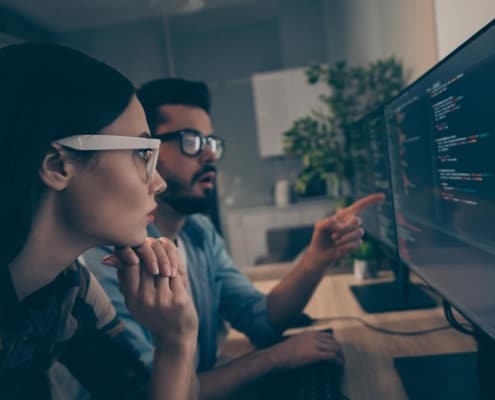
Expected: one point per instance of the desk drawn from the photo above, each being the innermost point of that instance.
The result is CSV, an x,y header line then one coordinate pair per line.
x,y
370,372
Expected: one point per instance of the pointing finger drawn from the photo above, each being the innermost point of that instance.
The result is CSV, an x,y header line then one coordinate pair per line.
x,y
362,204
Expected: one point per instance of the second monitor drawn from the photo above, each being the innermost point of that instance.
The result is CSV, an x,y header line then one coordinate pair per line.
x,y
371,167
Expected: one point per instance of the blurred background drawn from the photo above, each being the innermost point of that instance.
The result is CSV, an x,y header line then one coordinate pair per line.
x,y
253,54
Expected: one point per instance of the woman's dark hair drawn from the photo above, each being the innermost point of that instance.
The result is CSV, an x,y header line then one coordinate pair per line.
x,y
47,92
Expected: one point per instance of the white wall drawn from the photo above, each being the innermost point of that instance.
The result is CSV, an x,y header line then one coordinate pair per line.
x,y
361,31
457,20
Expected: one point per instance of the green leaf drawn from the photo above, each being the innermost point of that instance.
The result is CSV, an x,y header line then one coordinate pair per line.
x,y
322,137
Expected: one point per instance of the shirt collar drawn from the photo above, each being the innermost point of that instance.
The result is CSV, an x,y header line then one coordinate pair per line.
x,y
190,228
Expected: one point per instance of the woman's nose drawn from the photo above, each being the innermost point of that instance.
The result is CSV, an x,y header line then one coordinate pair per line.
x,y
158,184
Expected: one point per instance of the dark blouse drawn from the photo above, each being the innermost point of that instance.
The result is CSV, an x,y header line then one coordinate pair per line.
x,y
70,320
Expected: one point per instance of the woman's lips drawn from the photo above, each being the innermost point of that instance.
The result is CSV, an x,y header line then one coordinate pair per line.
x,y
151,215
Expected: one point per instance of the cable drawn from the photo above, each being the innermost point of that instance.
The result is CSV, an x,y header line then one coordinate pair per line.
x,y
426,287
380,329
449,315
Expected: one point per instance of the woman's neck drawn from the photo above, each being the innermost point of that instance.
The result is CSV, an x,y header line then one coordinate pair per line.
x,y
48,250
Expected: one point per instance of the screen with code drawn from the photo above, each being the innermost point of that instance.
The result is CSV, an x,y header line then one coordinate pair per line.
x,y
441,134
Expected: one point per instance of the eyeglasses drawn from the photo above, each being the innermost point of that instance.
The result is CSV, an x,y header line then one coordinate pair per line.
x,y
193,142
150,147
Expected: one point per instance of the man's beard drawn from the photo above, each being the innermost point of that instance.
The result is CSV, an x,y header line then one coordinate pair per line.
x,y
187,204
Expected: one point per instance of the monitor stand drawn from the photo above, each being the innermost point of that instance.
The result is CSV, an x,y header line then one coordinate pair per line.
x,y
439,377
398,295
461,376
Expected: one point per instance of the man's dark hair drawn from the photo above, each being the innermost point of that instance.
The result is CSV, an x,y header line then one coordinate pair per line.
x,y
170,91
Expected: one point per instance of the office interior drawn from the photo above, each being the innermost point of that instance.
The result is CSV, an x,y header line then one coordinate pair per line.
x,y
248,52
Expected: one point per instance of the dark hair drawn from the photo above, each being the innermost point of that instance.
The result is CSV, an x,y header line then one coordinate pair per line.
x,y
48,92
172,91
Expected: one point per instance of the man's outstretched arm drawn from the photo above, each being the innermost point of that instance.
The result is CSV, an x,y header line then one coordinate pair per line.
x,y
333,238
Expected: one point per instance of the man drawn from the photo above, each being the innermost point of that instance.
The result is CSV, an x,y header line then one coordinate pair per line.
x,y
178,114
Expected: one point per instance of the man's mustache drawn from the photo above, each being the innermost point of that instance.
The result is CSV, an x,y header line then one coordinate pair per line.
x,y
202,171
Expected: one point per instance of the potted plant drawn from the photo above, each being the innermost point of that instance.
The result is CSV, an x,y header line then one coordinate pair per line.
x,y
365,261
322,138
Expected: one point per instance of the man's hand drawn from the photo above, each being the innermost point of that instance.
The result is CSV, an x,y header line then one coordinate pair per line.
x,y
307,348
340,234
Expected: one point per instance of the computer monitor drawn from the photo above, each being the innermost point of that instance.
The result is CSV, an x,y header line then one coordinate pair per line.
x,y
369,155
371,173
441,132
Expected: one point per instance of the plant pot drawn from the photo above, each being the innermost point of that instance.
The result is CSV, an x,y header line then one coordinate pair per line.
x,y
345,188
332,185
364,269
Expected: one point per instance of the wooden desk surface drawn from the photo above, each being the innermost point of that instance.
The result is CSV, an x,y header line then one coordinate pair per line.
x,y
370,373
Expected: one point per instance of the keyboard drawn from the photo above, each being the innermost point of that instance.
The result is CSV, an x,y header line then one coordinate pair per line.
x,y
319,381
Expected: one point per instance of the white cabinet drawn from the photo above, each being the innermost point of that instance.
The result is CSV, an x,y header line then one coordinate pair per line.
x,y
280,98
247,227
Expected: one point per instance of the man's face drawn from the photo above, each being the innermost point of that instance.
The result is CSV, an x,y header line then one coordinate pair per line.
x,y
190,180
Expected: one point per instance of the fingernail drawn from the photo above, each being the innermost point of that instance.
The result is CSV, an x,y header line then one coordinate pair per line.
x,y
109,260
154,268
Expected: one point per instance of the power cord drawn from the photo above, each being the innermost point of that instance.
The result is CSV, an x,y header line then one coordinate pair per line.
x,y
449,315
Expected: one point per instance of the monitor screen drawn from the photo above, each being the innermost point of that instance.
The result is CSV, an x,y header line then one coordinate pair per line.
x,y
441,132
369,155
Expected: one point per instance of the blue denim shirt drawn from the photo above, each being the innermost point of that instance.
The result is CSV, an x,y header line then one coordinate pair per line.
x,y
218,289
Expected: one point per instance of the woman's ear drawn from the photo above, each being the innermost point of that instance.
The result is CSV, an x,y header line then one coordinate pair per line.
x,y
55,170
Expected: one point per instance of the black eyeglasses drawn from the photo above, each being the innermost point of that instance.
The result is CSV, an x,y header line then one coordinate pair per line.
x,y
192,142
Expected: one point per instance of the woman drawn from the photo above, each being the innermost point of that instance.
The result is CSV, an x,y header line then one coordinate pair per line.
x,y
78,171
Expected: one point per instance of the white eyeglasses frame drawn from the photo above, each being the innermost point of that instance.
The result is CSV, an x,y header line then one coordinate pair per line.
x,y
115,142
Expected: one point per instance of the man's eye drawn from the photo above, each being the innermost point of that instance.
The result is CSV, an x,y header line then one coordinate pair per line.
x,y
189,142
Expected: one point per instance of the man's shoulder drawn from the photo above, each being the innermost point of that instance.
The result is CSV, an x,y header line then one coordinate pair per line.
x,y
199,228
95,254
92,260
200,221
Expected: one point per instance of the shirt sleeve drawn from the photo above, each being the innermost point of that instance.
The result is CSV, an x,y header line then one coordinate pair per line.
x,y
99,355
139,337
241,304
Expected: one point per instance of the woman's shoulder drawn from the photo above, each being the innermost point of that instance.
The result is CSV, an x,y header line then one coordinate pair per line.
x,y
93,304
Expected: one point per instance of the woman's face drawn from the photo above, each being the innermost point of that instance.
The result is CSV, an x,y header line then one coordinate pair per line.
x,y
110,199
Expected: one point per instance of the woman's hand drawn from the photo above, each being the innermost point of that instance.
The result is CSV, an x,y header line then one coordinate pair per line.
x,y
155,292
